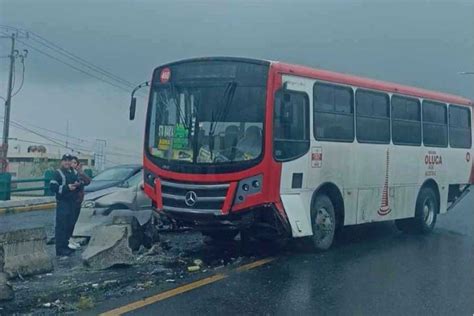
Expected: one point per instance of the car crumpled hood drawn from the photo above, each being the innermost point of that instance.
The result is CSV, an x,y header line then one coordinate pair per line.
x,y
100,185
125,196
93,196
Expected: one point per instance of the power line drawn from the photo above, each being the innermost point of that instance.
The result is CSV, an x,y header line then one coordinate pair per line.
x,y
81,140
73,67
47,43
76,145
80,60
34,142
84,63
19,126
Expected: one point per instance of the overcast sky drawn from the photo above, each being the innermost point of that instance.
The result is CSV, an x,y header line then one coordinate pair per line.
x,y
415,42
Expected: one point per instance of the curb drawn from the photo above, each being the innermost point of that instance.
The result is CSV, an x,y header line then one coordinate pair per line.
x,y
29,208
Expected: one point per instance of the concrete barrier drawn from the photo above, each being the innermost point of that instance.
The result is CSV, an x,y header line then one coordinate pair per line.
x,y
25,252
6,290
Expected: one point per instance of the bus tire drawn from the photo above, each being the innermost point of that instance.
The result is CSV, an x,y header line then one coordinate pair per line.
x,y
426,212
323,221
427,208
221,235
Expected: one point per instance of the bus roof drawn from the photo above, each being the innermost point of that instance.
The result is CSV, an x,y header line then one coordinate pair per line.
x,y
368,83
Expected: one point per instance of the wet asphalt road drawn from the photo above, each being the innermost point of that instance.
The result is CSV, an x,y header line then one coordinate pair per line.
x,y
373,269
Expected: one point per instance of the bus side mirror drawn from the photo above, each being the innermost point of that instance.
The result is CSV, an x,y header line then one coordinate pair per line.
x,y
133,107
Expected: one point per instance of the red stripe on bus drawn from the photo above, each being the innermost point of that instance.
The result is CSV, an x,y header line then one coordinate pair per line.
x,y
362,82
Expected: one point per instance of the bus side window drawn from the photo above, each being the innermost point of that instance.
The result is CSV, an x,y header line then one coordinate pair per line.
x,y
291,125
406,121
372,117
333,113
435,124
460,127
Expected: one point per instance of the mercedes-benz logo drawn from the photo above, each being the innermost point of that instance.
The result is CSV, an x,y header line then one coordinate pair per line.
x,y
190,198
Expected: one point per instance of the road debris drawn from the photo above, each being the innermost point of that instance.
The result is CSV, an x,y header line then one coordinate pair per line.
x,y
108,247
193,268
84,303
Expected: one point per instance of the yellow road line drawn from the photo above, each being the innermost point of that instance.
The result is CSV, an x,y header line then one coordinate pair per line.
x,y
29,208
182,289
162,296
254,264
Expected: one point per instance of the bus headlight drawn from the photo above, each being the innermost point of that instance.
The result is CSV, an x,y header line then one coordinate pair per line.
x,y
247,187
149,178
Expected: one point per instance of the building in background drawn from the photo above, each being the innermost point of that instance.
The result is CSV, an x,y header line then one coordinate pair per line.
x,y
36,160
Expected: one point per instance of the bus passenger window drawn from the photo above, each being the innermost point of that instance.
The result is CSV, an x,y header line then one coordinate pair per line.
x,y
435,124
291,125
373,117
333,113
406,121
460,127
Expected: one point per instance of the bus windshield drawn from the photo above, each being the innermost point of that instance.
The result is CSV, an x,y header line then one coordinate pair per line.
x,y
206,122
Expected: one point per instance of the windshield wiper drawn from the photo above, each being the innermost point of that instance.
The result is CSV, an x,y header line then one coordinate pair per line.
x,y
226,101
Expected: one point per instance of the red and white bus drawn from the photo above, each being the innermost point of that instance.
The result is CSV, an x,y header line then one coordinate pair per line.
x,y
272,149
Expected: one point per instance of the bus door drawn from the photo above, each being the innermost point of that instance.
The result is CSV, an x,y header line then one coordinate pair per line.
x,y
291,132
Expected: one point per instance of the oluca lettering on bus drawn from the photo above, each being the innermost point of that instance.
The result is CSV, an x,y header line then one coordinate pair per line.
x,y
433,159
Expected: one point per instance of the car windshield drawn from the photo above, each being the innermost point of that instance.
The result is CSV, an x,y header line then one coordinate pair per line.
x,y
114,174
213,123
135,180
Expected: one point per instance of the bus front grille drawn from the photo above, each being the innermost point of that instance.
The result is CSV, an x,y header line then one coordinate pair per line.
x,y
192,197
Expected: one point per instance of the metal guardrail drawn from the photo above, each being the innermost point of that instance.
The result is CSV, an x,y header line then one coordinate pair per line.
x,y
9,185
30,180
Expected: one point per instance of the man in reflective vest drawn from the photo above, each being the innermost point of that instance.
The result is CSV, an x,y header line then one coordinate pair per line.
x,y
65,184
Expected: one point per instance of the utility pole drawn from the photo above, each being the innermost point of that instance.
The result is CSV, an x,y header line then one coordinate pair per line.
x,y
99,155
67,134
6,123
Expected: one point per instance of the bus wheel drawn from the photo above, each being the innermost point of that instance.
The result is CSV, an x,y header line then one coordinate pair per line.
x,y
426,211
221,235
425,214
323,220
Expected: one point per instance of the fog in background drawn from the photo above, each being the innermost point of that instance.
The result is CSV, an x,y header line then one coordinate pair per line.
x,y
416,42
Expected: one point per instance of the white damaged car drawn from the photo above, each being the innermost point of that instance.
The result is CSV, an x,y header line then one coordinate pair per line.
x,y
100,207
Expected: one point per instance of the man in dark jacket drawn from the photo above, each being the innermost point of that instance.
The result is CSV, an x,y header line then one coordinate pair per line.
x,y
65,184
83,180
